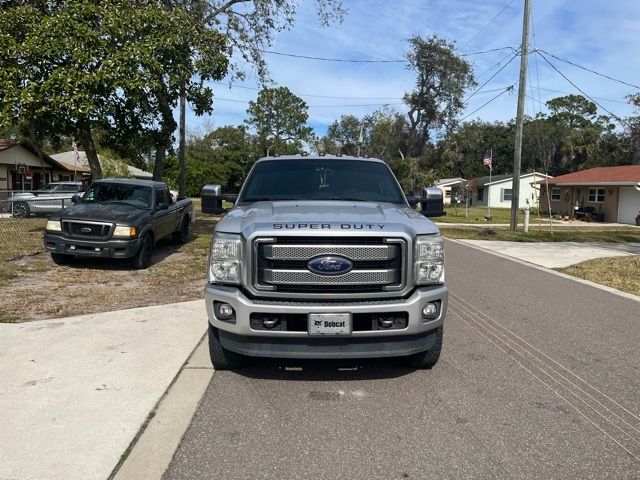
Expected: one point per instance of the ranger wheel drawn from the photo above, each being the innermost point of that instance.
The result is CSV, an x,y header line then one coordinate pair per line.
x,y
181,236
428,358
61,258
142,259
21,210
221,358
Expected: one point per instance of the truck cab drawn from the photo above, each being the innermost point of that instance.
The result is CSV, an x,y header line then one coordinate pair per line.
x,y
322,257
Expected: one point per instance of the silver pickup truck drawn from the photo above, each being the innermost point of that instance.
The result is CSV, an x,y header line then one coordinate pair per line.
x,y
48,199
322,257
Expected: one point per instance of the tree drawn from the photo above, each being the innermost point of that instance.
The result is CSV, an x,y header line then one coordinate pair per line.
x,y
441,80
279,118
117,70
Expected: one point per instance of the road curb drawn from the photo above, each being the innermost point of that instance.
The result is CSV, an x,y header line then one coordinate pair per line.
x,y
151,451
615,291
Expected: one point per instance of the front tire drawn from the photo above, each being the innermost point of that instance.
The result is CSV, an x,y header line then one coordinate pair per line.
x,y
61,258
21,210
221,358
142,259
428,358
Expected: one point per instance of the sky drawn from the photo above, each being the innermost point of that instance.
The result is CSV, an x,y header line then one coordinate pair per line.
x,y
601,35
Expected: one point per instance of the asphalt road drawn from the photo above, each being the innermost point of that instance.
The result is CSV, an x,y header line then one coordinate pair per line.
x,y
539,379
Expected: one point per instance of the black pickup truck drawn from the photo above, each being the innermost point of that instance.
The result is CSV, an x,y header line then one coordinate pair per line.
x,y
118,218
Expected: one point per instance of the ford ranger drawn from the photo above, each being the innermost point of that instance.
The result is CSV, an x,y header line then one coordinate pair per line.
x,y
118,218
322,257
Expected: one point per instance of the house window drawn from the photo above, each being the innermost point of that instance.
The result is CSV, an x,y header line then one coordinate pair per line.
x,y
596,195
480,194
447,193
64,178
555,194
506,194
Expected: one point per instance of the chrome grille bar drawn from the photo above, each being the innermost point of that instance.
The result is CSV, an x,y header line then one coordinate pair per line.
x,y
353,252
354,277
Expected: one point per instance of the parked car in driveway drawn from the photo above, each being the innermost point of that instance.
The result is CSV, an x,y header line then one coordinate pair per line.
x,y
118,218
48,199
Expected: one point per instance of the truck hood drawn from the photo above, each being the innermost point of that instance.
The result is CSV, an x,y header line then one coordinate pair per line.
x,y
325,218
112,213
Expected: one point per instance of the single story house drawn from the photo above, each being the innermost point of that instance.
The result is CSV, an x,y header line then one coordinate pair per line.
x,y
451,189
23,168
69,159
498,192
612,191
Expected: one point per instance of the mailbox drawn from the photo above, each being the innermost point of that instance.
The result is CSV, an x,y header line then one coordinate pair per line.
x,y
212,199
432,202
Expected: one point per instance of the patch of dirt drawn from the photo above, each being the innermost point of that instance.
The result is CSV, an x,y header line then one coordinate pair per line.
x,y
35,288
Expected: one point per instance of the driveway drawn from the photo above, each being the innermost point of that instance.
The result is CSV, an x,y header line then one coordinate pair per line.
x,y
539,379
557,254
75,391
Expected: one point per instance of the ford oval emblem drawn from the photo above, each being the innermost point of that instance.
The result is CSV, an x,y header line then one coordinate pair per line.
x,y
330,265
85,230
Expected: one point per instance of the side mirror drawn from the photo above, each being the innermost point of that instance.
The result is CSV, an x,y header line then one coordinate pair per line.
x,y
432,202
75,199
412,200
162,206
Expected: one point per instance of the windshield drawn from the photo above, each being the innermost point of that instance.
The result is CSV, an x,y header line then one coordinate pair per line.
x,y
135,195
322,179
50,187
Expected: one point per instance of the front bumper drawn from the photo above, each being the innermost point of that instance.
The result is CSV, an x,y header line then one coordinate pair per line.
x,y
91,248
419,334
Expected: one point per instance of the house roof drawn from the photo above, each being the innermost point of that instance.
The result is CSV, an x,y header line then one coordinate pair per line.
x,y
448,181
7,143
82,164
622,175
482,181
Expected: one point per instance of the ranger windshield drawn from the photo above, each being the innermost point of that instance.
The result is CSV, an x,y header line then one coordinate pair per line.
x,y
322,179
135,195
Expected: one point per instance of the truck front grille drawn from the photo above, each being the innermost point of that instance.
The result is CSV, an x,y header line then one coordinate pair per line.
x,y
86,230
281,265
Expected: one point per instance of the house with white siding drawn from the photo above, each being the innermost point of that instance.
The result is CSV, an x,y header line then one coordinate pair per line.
x,y
499,191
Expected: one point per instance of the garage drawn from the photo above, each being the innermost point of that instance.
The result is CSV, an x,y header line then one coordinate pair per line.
x,y
629,205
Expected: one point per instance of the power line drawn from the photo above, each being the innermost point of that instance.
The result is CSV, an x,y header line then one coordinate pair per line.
x,y
233,85
318,106
362,60
490,78
587,69
578,88
508,89
488,23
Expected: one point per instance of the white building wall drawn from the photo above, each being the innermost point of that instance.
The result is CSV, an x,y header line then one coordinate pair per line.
x,y
494,193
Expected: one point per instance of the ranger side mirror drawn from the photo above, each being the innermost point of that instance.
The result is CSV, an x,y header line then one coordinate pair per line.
x,y
75,199
432,202
162,206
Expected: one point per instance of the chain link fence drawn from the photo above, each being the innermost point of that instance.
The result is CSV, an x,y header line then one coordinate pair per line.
x,y
23,219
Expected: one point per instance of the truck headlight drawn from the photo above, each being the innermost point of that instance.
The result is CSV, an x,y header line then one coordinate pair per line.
x,y
225,258
54,226
429,255
125,231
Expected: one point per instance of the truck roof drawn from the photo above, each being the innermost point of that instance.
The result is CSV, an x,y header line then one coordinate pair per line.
x,y
320,157
131,181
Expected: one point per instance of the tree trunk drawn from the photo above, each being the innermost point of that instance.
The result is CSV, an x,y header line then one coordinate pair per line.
x,y
163,138
86,138
181,147
161,155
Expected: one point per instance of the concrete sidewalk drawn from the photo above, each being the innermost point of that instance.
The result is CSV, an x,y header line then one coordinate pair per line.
x,y
556,254
75,391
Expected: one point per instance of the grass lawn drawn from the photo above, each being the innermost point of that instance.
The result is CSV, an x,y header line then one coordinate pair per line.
x,y
622,273
542,234
476,215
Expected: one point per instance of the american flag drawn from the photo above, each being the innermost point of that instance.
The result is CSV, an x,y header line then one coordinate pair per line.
x,y
75,150
486,161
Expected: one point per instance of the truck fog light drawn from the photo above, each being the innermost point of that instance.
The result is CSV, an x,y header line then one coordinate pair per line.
x,y
430,310
224,311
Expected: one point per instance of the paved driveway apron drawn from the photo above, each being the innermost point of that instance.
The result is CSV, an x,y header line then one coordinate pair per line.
x,y
539,379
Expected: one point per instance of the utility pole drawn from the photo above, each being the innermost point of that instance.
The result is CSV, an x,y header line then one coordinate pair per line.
x,y
522,90
181,146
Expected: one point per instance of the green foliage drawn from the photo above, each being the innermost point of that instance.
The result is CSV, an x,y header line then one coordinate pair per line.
x,y
279,118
